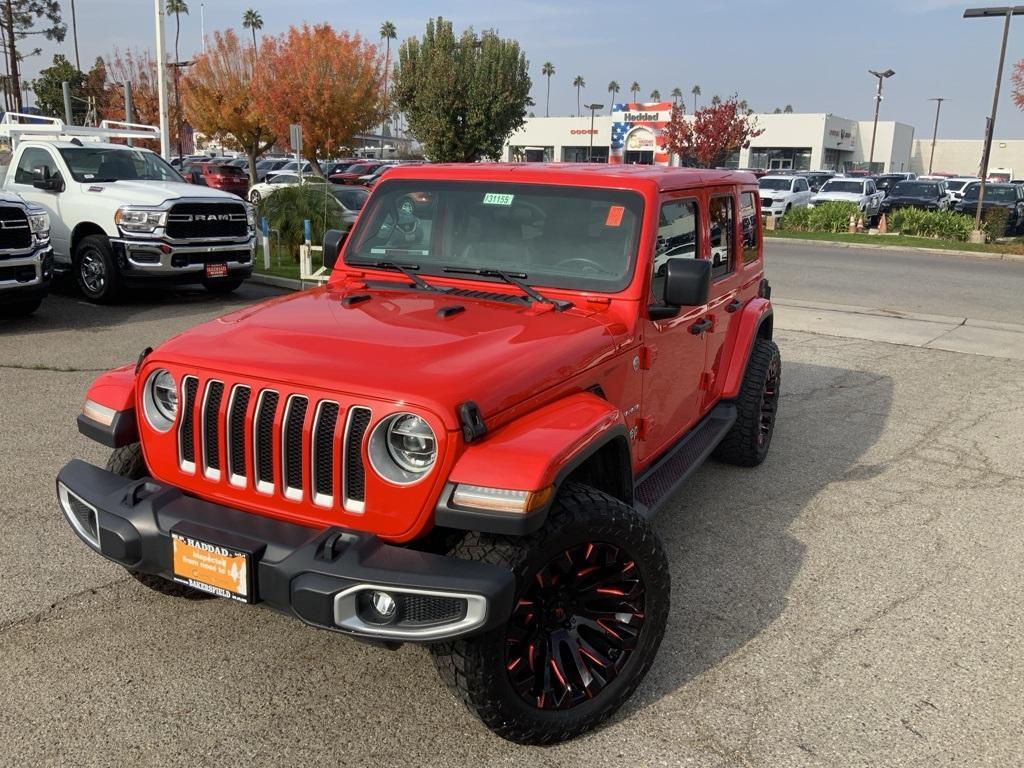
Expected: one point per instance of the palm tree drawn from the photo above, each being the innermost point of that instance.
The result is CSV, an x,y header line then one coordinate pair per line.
x,y
547,71
177,7
676,95
716,100
388,32
579,83
655,95
251,19
613,89
788,109
634,89
696,92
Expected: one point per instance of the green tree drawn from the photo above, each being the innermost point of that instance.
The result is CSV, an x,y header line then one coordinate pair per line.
x,y
677,95
578,83
613,89
634,89
696,92
788,109
462,97
252,21
19,19
547,71
388,32
655,95
49,89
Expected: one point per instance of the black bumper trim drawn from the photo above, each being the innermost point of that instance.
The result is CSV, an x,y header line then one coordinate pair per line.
x,y
297,570
122,430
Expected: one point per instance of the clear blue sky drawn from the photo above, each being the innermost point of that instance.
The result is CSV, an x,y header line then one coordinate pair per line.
x,y
813,54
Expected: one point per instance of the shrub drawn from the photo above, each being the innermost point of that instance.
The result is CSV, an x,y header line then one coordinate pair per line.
x,y
945,225
287,208
796,219
827,217
993,222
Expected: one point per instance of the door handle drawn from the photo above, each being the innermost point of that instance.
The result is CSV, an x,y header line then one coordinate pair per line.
x,y
734,306
700,326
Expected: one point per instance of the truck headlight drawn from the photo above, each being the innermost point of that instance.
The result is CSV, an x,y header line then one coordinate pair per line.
x,y
402,448
160,400
137,220
250,215
39,223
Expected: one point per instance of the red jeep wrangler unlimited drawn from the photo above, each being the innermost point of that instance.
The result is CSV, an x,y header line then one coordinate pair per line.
x,y
461,438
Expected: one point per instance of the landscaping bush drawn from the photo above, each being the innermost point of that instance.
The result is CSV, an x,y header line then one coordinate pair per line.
x,y
827,217
287,208
993,222
945,225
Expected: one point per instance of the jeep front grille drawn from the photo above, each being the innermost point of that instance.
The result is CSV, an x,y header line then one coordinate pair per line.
x,y
199,221
14,232
293,446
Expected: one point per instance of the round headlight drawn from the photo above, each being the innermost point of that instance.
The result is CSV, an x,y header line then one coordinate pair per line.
x,y
411,444
160,400
402,448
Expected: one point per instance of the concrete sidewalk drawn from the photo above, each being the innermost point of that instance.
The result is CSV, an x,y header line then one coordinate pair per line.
x,y
954,334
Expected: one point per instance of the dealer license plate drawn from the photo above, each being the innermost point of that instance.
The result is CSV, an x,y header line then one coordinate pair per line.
x,y
212,568
216,270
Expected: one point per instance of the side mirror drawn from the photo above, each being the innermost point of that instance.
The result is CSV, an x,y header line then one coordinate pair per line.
x,y
687,282
333,240
41,179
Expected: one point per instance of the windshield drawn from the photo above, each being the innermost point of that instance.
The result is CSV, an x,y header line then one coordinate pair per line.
x,y
775,184
92,164
916,189
856,187
351,198
955,185
360,169
562,237
998,194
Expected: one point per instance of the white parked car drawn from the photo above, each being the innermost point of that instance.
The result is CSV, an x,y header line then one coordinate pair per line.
x,y
955,188
780,194
850,190
276,181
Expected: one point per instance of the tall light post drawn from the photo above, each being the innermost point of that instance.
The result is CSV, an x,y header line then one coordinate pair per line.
x,y
161,80
878,102
935,131
973,13
593,109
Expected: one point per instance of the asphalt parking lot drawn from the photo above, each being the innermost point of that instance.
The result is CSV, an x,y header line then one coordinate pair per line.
x,y
854,601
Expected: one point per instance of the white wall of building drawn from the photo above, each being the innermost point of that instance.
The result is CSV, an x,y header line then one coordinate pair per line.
x,y
963,156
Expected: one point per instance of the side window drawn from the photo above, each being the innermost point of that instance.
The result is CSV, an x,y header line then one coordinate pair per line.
x,y
723,235
750,220
32,158
801,185
870,188
677,238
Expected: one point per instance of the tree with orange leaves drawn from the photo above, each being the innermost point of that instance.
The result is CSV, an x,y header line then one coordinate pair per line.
x,y
326,81
139,69
714,133
217,96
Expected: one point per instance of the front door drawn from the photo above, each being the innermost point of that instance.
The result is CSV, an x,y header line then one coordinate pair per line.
x,y
673,356
31,159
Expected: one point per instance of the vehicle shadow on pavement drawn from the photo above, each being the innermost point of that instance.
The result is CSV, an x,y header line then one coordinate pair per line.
x,y
727,533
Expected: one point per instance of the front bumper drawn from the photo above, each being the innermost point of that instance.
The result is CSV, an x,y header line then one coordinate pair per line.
x,y
319,576
26,273
185,262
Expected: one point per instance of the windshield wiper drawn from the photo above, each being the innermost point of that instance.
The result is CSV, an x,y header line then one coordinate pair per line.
x,y
512,278
405,269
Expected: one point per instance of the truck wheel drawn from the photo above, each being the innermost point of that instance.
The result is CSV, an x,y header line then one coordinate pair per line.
x,y
222,286
127,461
20,308
746,444
96,271
592,601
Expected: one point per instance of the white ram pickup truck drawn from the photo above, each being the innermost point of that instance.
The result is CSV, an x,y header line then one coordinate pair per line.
x,y
781,194
121,216
851,190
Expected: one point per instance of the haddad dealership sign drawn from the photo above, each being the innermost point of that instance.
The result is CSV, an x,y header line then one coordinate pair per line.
x,y
641,117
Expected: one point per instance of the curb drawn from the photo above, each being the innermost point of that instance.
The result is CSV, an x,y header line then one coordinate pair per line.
x,y
985,255
277,282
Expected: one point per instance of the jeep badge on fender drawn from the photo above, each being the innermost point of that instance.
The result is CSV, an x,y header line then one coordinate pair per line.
x,y
460,440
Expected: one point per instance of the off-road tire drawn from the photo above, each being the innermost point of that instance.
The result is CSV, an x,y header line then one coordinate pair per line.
x,y
128,461
20,307
223,286
475,668
747,443
103,285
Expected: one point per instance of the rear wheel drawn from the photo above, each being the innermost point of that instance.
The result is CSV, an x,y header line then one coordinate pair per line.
x,y
128,461
96,271
592,600
747,443
222,286
254,196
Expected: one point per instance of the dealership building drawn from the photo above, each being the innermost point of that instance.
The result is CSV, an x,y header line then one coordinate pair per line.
x,y
634,133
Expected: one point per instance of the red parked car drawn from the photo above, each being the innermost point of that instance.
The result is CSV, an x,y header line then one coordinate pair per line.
x,y
461,439
229,178
352,174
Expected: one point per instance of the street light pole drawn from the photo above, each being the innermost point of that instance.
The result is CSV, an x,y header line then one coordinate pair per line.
x,y
161,81
973,13
878,103
935,131
593,108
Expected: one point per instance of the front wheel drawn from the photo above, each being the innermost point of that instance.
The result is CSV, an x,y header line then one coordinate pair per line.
x,y
96,270
592,601
254,197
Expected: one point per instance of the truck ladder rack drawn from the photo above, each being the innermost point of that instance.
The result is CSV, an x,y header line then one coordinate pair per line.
x,y
17,126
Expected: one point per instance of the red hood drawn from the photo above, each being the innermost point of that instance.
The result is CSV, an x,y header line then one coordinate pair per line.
x,y
394,346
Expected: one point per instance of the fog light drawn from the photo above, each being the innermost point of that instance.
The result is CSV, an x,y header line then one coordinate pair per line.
x,y
383,605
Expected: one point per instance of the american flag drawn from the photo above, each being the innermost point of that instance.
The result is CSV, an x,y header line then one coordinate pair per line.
x,y
621,128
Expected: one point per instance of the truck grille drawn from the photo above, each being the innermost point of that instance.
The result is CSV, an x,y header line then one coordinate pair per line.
x,y
200,221
766,202
14,231
296,447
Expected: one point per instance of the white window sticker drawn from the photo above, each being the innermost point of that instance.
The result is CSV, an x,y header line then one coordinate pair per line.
x,y
493,198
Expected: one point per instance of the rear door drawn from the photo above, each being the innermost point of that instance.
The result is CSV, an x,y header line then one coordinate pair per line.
x,y
723,217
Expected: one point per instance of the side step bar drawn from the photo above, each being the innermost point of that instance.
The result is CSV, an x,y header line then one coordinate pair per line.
x,y
663,478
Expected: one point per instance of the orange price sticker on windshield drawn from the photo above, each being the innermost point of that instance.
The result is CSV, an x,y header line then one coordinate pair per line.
x,y
614,217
